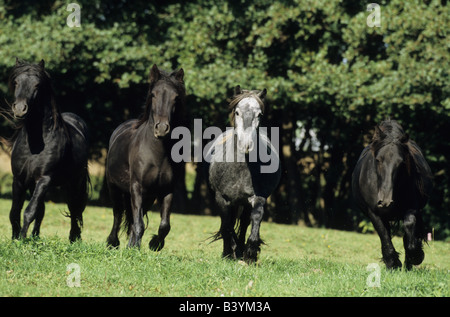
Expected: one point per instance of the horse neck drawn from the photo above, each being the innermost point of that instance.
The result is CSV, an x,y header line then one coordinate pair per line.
x,y
163,145
44,119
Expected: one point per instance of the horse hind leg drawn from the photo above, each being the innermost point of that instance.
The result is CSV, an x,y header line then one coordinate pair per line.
x,y
77,201
412,240
157,242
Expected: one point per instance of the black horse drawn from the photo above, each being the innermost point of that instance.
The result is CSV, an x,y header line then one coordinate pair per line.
x,y
139,168
240,179
49,148
392,182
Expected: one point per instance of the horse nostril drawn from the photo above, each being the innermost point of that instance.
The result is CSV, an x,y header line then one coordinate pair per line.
x,y
384,204
250,146
161,129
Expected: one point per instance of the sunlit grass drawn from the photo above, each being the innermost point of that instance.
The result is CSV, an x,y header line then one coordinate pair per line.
x,y
296,261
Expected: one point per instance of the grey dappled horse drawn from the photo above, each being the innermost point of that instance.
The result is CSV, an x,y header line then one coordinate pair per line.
x,y
244,170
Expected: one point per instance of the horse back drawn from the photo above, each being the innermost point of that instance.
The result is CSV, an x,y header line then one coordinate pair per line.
x,y
79,137
117,161
364,181
423,175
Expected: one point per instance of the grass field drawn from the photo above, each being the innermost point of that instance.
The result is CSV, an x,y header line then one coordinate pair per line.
x,y
296,261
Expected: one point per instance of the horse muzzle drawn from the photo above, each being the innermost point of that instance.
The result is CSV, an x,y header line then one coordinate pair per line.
x,y
20,109
385,204
246,141
246,146
161,129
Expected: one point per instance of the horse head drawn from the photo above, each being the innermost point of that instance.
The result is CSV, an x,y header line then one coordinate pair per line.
x,y
391,154
27,81
165,96
247,110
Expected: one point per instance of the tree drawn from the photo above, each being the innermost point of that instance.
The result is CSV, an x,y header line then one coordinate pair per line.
x,y
330,76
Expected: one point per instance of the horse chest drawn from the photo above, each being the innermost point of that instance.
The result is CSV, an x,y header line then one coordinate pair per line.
x,y
232,179
158,175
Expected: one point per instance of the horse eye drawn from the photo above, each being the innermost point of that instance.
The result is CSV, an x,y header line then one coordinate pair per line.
x,y
237,112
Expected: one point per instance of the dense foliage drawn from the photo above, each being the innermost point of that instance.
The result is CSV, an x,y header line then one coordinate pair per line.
x,y
330,79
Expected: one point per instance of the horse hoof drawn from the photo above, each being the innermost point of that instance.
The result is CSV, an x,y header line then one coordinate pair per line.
x,y
113,244
250,256
393,265
155,244
74,239
414,258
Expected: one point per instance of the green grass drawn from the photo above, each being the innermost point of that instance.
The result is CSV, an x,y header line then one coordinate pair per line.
x,y
296,261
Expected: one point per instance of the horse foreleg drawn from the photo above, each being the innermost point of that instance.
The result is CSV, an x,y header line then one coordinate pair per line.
x,y
137,227
244,222
412,240
254,241
77,200
390,256
226,231
40,211
18,192
157,242
33,207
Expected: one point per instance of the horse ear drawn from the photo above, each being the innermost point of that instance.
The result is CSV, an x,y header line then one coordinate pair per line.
x,y
237,90
18,61
154,74
180,75
262,94
42,63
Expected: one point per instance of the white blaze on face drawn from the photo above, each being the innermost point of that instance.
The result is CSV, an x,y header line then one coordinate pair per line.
x,y
247,117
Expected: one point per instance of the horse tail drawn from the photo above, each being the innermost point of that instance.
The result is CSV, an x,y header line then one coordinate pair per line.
x,y
128,219
89,189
